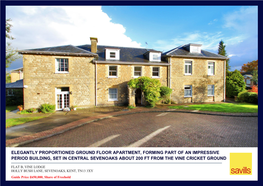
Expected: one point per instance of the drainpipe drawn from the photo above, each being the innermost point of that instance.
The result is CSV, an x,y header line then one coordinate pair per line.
x,y
224,81
169,76
95,83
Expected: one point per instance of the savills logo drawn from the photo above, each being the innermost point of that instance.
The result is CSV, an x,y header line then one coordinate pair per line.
x,y
240,163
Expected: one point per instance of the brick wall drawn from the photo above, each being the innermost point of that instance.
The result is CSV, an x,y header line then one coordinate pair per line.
x,y
199,80
125,73
41,79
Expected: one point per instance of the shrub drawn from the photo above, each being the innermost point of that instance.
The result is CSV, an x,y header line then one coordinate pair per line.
x,y
234,83
167,101
254,89
165,91
150,87
47,108
249,97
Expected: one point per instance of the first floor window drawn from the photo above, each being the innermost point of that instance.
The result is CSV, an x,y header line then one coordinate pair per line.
x,y
211,68
248,81
112,71
62,65
155,72
210,90
113,94
188,67
188,91
137,71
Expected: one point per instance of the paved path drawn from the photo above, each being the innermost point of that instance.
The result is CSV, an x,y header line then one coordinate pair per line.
x,y
154,129
61,122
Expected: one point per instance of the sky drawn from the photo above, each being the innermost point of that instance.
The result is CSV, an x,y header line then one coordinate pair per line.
x,y
161,27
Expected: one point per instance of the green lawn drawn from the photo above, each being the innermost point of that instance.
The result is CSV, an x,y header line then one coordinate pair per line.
x,y
10,108
17,121
221,107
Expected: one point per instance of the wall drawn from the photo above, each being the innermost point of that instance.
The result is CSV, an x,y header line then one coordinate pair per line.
x,y
15,75
125,73
199,81
41,79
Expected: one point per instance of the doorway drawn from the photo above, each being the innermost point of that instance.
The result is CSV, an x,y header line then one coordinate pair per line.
x,y
62,98
138,97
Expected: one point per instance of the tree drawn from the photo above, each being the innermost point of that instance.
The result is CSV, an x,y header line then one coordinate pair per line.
x,y
8,78
234,83
250,66
255,76
150,87
222,51
10,54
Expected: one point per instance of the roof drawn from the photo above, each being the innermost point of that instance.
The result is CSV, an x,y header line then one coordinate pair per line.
x,y
59,50
183,51
127,54
17,84
21,68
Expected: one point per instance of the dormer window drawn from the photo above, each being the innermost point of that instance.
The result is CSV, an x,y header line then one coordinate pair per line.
x,y
195,48
112,54
154,56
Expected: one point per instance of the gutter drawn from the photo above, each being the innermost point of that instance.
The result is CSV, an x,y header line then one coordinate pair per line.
x,y
202,57
132,63
55,53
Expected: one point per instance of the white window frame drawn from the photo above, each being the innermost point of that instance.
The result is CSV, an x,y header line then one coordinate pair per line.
x,y
113,99
154,56
248,82
137,71
188,86
58,91
210,88
111,50
58,61
155,71
187,65
112,76
211,64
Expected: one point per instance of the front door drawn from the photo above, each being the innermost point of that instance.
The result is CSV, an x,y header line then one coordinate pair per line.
x,y
138,97
62,98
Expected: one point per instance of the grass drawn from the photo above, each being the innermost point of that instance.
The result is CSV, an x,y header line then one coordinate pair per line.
x,y
221,107
10,108
18,121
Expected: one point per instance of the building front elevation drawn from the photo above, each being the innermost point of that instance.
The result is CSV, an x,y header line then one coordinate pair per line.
x,y
95,75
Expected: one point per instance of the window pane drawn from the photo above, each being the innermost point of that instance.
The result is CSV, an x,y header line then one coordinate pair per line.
x,y
113,67
112,54
137,73
155,74
137,68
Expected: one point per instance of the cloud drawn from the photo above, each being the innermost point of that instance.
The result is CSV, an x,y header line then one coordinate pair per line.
x,y
212,22
44,26
209,41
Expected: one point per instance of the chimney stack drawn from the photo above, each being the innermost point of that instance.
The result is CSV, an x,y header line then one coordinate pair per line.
x,y
94,42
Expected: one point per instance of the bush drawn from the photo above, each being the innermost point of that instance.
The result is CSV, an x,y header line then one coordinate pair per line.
x,y
165,91
249,97
47,108
234,83
150,87
17,99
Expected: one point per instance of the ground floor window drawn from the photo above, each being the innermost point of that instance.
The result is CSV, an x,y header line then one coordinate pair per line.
x,y
9,92
113,94
210,90
188,91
